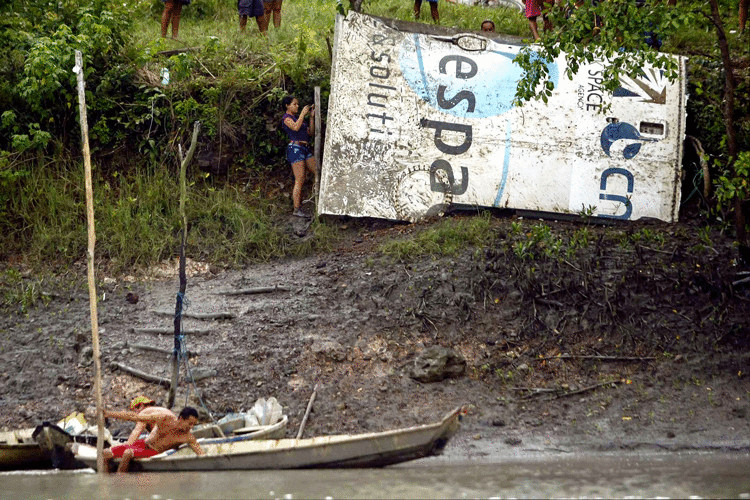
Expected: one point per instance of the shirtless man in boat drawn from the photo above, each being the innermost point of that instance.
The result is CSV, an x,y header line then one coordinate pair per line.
x,y
170,431
138,405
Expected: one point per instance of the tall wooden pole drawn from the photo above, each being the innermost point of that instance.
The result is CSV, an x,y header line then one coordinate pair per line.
x,y
318,145
184,162
78,70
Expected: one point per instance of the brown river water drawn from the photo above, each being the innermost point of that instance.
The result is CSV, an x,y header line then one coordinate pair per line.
x,y
673,475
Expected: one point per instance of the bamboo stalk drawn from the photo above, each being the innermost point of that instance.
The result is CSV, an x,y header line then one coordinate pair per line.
x,y
78,70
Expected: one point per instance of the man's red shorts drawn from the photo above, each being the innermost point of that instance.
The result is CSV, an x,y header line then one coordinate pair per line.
x,y
140,450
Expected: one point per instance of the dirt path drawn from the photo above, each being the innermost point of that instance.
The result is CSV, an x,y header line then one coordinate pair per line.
x,y
643,344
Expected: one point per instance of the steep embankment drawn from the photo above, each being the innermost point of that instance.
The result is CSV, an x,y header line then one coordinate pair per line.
x,y
573,336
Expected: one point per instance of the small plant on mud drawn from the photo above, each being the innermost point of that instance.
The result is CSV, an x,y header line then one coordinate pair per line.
x,y
17,293
647,236
55,343
505,376
523,250
540,242
580,240
587,212
704,235
711,400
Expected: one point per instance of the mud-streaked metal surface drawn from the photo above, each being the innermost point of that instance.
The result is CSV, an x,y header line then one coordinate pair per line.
x,y
419,121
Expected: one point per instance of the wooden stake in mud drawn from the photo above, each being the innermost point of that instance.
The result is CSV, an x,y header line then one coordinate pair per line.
x,y
307,412
184,162
78,70
318,145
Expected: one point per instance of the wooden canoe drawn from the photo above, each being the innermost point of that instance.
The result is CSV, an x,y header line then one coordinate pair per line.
x,y
18,450
375,449
53,440
273,431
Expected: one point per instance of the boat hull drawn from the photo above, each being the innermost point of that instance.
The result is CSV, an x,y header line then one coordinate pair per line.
x,y
23,456
342,451
53,441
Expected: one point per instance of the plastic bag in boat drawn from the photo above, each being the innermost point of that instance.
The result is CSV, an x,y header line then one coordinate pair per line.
x,y
264,412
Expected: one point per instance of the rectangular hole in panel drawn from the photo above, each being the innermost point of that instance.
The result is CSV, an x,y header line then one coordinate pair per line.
x,y
652,128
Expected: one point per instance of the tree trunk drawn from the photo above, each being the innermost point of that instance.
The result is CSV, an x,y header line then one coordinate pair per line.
x,y
728,111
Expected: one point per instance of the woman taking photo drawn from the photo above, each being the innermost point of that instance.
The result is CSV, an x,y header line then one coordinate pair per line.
x,y
298,152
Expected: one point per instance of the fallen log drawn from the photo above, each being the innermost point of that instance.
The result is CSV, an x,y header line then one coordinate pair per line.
x,y
559,392
170,331
162,350
251,291
600,358
202,374
585,389
198,315
142,375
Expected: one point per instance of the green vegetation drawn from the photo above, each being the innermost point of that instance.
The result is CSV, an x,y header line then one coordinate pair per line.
x,y
447,237
19,292
719,84
137,221
233,82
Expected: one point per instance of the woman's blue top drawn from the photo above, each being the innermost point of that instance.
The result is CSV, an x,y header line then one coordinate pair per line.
x,y
295,135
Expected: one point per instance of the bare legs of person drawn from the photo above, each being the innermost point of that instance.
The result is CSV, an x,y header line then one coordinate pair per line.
x,y
127,456
171,13
433,10
107,454
299,179
273,9
258,21
533,27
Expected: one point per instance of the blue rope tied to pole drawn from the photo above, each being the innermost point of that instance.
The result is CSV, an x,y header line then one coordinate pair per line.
x,y
178,316
181,351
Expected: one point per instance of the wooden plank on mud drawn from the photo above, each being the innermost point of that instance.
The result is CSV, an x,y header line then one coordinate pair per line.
x,y
198,315
170,331
142,375
162,350
252,291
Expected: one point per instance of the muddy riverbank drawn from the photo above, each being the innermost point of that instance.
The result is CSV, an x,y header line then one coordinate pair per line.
x,y
635,338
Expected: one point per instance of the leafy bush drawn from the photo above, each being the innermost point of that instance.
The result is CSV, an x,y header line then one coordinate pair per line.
x,y
39,39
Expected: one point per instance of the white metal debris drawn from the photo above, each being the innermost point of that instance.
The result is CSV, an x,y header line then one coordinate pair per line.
x,y
417,122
